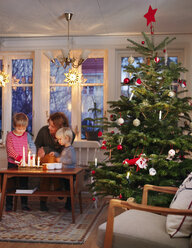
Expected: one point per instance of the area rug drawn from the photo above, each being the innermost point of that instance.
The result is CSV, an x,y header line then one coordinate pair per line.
x,y
54,226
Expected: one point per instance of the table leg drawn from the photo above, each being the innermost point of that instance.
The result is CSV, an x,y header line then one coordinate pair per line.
x,y
3,194
72,198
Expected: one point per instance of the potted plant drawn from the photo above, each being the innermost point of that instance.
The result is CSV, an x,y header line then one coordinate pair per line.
x,y
91,125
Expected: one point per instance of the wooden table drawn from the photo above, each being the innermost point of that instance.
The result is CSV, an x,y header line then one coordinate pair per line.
x,y
75,186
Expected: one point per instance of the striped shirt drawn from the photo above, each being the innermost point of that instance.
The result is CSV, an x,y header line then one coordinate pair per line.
x,y
14,147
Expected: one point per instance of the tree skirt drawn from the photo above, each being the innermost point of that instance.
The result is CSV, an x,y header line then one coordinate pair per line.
x,y
54,226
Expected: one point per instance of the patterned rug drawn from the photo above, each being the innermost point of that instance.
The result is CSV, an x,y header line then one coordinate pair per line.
x,y
54,226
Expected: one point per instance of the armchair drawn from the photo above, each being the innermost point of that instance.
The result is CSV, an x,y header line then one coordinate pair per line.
x,y
142,226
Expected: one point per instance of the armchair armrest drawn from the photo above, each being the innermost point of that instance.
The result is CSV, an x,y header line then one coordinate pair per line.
x,y
163,189
143,207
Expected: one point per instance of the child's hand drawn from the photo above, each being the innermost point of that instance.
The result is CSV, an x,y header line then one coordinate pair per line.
x,y
51,153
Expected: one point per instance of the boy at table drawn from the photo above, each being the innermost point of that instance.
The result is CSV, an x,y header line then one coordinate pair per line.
x,y
68,156
17,141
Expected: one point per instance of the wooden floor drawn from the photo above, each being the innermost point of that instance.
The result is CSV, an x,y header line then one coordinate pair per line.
x,y
90,243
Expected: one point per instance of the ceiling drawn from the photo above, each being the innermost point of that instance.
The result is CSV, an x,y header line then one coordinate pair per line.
x,y
38,18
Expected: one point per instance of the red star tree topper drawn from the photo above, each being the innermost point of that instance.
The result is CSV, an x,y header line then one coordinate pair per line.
x,y
150,16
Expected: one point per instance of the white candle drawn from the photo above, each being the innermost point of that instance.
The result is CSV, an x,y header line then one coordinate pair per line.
x,y
23,156
131,96
95,162
160,114
29,158
33,159
38,161
128,174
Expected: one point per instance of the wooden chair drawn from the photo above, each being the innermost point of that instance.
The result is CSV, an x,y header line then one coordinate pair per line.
x,y
131,222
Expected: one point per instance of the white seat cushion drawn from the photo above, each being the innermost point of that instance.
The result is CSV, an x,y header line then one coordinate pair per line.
x,y
136,229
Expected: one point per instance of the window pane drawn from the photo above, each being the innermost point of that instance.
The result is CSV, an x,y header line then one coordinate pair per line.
x,y
22,73
89,95
22,102
60,100
57,75
92,70
125,89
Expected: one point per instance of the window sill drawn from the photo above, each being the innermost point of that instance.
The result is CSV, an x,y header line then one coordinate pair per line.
x,y
86,143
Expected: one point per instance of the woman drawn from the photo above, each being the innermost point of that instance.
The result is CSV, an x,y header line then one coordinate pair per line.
x,y
46,144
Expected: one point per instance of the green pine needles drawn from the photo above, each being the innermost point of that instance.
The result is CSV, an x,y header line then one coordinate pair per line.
x,y
148,140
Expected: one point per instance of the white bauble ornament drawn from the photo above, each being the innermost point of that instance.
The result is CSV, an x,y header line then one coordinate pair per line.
x,y
131,60
171,153
136,122
120,121
152,172
171,94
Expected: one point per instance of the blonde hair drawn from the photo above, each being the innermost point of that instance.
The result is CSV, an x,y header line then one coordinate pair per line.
x,y
63,132
20,119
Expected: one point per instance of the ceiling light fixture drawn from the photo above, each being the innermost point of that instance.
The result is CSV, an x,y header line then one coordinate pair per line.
x,y
67,58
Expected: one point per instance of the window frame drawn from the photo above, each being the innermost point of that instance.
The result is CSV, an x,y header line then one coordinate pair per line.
x,y
7,90
127,53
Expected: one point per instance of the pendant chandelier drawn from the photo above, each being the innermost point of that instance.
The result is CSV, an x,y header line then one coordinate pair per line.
x,y
67,58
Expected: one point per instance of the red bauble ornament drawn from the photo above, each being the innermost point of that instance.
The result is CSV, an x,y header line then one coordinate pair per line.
x,y
112,117
138,82
93,172
120,196
126,80
104,142
182,83
93,199
164,50
143,42
103,147
112,132
100,134
157,59
119,147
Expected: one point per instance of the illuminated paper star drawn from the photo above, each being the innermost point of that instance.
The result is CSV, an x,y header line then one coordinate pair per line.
x,y
150,15
4,78
73,77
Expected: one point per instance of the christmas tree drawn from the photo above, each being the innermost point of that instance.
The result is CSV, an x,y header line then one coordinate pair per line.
x,y
148,140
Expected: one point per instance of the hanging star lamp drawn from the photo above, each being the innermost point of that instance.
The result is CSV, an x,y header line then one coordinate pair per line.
x,y
73,77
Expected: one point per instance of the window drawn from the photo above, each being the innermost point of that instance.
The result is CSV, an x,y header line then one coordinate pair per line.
x,y
125,89
22,82
75,100
92,91
60,92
